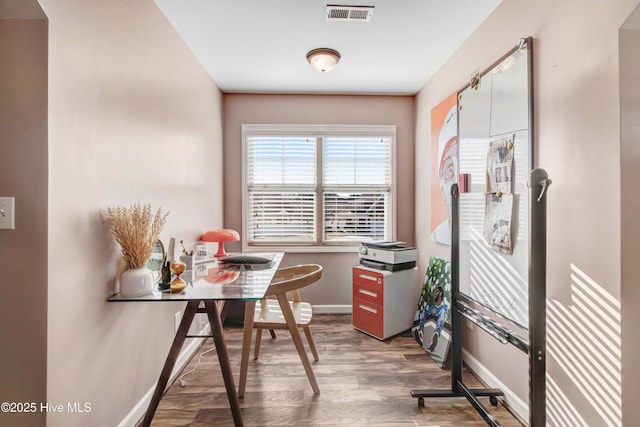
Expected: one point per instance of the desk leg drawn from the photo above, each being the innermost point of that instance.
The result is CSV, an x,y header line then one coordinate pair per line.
x,y
223,357
174,352
249,309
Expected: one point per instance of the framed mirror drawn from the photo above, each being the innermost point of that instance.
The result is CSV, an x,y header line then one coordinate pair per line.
x,y
156,260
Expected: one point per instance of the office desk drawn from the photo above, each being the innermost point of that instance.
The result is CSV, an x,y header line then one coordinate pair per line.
x,y
208,283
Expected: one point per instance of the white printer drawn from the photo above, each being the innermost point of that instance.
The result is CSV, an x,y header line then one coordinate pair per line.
x,y
388,255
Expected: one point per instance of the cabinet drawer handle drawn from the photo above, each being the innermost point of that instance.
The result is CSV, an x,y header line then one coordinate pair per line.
x,y
365,307
369,293
368,277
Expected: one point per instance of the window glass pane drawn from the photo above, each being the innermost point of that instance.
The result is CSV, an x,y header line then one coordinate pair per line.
x,y
281,160
281,216
356,161
357,216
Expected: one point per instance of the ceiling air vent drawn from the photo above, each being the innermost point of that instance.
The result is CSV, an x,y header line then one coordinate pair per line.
x,y
349,13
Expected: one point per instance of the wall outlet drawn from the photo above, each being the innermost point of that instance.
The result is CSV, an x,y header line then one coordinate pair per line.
x,y
7,213
176,321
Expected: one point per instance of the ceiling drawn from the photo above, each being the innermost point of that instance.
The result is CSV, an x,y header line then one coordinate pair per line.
x,y
260,46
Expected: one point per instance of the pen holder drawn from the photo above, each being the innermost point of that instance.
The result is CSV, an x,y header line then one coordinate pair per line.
x,y
188,260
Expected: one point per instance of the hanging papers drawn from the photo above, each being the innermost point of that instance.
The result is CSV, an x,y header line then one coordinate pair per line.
x,y
500,166
499,199
497,222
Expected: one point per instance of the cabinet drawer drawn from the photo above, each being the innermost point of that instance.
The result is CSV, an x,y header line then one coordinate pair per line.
x,y
367,277
368,317
367,292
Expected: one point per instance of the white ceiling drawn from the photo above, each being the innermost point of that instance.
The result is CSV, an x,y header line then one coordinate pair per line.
x,y
260,46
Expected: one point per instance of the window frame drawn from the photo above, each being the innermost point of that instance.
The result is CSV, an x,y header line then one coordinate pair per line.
x,y
317,131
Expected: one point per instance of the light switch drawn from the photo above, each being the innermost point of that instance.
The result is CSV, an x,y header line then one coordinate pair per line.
x,y
7,213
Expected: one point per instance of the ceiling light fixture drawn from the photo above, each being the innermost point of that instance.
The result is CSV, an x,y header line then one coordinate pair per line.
x,y
323,59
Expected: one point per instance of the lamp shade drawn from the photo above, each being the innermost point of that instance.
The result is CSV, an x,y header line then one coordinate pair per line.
x,y
323,59
220,236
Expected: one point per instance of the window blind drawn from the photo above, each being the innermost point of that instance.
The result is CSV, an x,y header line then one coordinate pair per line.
x,y
318,189
282,182
357,162
356,188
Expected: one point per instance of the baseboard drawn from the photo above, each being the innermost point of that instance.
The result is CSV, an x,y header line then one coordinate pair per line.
x,y
137,412
512,401
332,309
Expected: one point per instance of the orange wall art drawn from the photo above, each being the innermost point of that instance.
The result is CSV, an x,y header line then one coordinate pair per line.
x,y
444,166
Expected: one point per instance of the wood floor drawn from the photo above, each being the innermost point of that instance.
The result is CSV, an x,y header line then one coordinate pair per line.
x,y
363,382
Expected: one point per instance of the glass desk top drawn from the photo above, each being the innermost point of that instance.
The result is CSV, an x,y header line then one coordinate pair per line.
x,y
213,280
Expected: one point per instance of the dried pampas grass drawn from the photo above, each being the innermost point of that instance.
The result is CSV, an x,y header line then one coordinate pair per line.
x,y
136,229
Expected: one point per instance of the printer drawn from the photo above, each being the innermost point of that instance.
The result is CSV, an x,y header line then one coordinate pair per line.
x,y
391,255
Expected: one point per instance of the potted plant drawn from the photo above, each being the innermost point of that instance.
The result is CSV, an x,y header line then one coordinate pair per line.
x,y
136,229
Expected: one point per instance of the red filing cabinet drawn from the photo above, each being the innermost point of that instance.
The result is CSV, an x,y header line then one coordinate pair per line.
x,y
384,302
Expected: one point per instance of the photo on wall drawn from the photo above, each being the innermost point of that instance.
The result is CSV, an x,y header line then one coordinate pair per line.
x,y
444,166
432,327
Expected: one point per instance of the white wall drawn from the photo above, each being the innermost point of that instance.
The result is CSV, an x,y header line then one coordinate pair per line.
x,y
577,130
334,289
133,117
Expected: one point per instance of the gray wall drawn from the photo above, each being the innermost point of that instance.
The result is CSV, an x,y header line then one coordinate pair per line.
x,y
23,251
630,198
577,125
334,289
133,117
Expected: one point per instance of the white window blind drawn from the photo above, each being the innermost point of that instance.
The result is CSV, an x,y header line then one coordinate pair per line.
x,y
282,184
282,161
357,162
356,188
317,189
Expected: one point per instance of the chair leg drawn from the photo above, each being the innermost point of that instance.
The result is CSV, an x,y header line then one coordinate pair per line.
x,y
273,333
256,348
312,345
297,340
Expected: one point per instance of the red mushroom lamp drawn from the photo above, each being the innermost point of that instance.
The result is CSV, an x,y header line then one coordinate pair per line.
x,y
220,236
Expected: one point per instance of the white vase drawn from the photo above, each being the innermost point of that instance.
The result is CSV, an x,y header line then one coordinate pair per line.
x,y
136,282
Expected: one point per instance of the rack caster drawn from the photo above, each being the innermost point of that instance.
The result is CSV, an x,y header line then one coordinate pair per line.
x,y
421,402
493,400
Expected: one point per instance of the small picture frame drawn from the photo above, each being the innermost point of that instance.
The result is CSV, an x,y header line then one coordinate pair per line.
x,y
202,252
188,260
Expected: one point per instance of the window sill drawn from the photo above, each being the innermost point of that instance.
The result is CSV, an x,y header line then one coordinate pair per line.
x,y
303,249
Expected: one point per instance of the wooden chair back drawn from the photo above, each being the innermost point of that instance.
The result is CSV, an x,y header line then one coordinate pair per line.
x,y
290,279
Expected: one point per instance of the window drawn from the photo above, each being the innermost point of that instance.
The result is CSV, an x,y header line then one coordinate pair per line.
x,y
317,186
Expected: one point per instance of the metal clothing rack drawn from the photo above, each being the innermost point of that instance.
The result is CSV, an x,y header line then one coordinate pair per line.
x,y
536,345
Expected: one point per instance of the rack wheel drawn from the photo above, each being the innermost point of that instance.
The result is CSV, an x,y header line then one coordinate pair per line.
x,y
421,402
493,400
